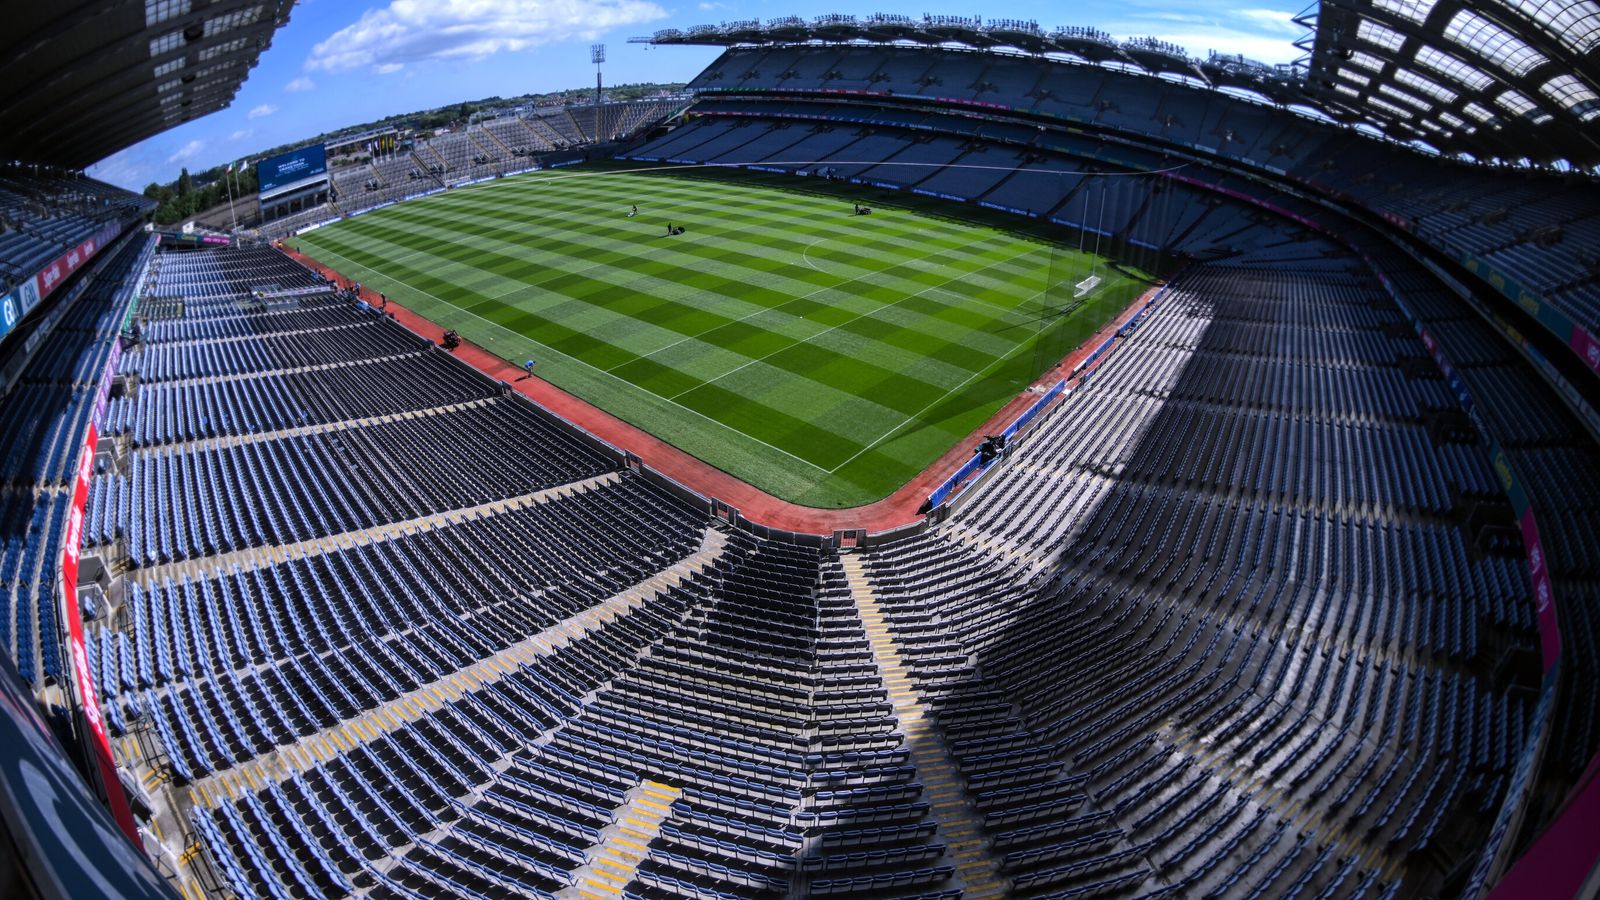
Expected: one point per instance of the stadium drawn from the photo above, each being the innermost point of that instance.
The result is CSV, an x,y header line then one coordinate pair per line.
x,y
924,457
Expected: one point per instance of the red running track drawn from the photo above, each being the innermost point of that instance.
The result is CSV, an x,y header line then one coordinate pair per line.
x,y
758,506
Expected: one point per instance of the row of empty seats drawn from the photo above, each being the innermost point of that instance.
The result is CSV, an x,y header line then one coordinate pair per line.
x,y
1529,226
47,415
44,214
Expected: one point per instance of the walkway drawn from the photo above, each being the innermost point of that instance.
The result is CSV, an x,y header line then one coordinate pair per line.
x,y
623,844
960,823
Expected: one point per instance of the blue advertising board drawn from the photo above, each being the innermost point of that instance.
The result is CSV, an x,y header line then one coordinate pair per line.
x,y
292,168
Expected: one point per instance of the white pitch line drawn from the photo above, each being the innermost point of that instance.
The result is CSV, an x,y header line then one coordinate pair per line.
x,y
871,312
805,254
580,362
767,309
946,395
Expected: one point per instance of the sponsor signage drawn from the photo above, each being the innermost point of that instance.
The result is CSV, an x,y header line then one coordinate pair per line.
x,y
31,291
88,700
1543,595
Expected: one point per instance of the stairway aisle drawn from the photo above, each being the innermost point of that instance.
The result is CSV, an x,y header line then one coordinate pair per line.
x,y
615,859
959,821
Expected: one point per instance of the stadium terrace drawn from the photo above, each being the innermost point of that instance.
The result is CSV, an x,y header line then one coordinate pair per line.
x,y
923,458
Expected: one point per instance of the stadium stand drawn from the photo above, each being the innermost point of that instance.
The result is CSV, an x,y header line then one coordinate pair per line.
x,y
1255,610
1103,776
1462,209
489,149
47,413
42,216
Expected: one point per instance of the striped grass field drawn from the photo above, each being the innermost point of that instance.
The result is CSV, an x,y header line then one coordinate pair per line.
x,y
823,357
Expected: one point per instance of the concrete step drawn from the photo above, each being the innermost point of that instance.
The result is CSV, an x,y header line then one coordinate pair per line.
x,y
960,824
624,844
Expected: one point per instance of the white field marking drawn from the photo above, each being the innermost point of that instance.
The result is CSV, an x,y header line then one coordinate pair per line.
x,y
767,309
911,418
806,253
557,273
519,287
871,312
580,362
534,179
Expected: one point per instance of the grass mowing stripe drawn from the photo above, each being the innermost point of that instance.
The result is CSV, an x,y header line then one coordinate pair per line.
x,y
864,315
602,371
691,335
741,319
772,238
794,332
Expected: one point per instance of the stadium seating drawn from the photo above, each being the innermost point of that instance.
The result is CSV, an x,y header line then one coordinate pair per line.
x,y
1284,590
1528,227
1247,614
43,215
47,415
1058,186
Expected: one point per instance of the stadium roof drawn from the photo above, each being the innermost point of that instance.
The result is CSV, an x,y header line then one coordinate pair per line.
x,y
1490,80
80,81
1494,79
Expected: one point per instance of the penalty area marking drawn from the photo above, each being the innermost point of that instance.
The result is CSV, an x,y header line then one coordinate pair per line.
x,y
805,254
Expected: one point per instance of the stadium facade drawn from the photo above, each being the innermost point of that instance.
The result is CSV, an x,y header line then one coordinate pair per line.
x,y
1289,588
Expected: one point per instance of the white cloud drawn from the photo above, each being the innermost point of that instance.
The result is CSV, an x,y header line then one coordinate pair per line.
x,y
1261,48
1265,35
388,68
708,7
1271,20
303,83
125,169
408,31
265,109
188,151
241,134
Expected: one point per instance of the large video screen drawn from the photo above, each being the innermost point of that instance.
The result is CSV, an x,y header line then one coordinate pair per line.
x,y
291,168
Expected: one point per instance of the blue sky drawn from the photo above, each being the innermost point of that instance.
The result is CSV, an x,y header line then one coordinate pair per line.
x,y
338,62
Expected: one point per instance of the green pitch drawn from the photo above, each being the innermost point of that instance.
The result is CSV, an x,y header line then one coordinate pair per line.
x,y
824,357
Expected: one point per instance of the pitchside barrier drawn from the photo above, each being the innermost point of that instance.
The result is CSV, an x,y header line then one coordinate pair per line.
x,y
91,723
27,295
973,470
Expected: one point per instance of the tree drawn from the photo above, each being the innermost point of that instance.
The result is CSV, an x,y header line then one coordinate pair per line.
x,y
185,183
